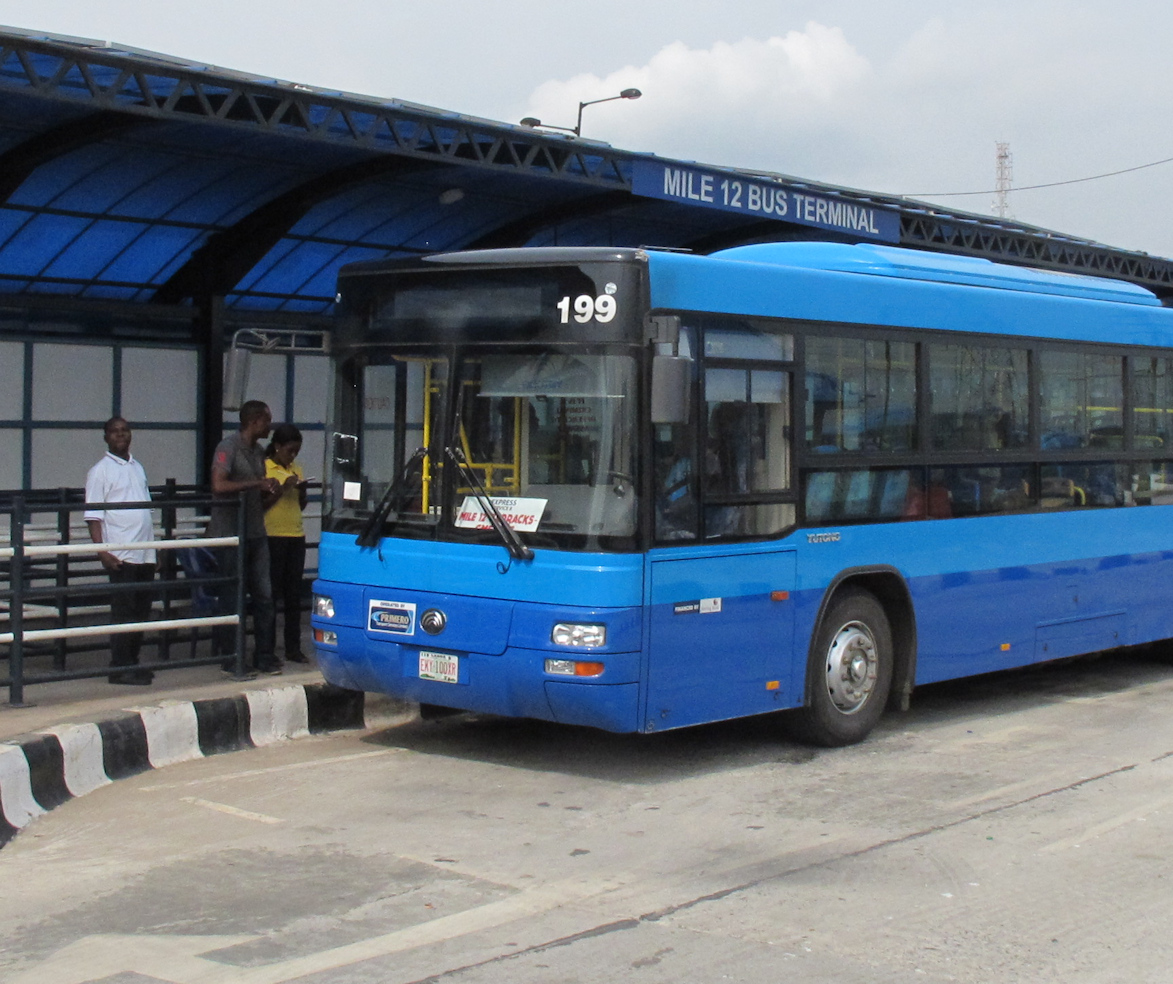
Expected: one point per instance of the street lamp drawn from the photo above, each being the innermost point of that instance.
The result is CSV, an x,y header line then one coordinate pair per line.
x,y
532,121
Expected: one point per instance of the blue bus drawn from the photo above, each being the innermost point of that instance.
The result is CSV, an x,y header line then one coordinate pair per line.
x,y
638,490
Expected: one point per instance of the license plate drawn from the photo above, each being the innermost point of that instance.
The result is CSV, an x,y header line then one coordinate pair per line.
x,y
439,666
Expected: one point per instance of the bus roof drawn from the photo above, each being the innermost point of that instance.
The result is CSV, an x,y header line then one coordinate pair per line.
x,y
915,264
902,288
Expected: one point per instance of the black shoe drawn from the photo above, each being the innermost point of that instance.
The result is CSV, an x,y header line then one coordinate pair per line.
x,y
229,670
134,678
271,668
296,657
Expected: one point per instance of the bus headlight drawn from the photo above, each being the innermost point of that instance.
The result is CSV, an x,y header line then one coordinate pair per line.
x,y
579,634
324,637
323,606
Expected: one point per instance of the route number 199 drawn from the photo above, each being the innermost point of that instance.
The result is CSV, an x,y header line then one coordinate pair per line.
x,y
584,307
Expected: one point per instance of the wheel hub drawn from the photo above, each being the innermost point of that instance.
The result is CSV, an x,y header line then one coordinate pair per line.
x,y
852,667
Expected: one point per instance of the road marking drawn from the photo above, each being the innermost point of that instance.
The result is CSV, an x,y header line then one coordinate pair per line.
x,y
1132,816
232,811
177,960
249,773
162,958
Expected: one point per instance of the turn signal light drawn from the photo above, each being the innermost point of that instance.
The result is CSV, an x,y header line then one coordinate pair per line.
x,y
325,637
574,667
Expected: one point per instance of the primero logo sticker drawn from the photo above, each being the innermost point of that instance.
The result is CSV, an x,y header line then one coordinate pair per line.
x,y
397,617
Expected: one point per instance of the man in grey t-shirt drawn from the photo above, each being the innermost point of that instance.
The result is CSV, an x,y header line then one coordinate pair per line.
x,y
238,468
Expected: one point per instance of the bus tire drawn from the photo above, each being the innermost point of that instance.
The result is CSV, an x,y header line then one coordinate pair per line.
x,y
849,673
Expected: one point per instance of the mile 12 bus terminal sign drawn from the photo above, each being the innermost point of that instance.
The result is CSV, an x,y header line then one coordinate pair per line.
x,y
762,199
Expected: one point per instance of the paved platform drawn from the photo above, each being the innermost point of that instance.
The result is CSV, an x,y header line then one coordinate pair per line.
x,y
77,701
90,700
74,736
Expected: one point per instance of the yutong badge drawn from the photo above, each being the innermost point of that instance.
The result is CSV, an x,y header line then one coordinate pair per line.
x,y
397,617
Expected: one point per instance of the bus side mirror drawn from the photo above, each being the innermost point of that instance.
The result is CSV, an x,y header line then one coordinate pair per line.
x,y
671,386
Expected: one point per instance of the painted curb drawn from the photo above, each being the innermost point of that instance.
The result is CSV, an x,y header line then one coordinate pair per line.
x,y
39,772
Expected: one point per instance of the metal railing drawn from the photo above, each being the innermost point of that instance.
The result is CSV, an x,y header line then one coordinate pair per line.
x,y
43,585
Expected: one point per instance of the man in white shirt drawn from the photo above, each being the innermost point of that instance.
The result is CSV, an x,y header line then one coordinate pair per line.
x,y
117,477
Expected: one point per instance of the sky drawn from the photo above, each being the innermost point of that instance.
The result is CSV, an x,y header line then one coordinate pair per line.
x,y
905,97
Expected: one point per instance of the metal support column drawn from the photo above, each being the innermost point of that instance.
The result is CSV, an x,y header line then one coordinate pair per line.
x,y
210,328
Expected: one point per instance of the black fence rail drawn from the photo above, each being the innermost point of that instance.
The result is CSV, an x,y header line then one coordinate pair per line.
x,y
54,593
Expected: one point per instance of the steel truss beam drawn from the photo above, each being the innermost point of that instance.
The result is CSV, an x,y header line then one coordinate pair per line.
x,y
152,86
1037,249
146,85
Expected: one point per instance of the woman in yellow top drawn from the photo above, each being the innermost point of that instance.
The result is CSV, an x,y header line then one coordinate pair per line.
x,y
286,533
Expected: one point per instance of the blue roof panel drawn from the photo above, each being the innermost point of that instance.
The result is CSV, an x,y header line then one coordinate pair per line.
x,y
37,241
299,265
100,180
103,238
163,190
141,265
271,261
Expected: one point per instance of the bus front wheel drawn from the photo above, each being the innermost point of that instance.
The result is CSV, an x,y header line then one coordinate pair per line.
x,y
850,671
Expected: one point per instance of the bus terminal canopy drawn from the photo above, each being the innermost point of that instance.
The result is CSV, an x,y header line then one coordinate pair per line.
x,y
134,177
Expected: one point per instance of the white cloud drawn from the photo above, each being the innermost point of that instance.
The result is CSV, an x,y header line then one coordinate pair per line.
x,y
920,113
695,99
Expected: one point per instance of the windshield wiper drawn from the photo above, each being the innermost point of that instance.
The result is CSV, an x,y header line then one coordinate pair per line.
x,y
517,549
386,510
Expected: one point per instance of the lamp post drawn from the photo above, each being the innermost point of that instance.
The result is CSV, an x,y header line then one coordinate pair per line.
x,y
532,121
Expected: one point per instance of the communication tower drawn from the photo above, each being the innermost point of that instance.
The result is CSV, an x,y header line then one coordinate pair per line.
x,y
1004,178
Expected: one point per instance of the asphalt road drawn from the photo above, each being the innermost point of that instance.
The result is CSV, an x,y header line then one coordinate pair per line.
x,y
1012,828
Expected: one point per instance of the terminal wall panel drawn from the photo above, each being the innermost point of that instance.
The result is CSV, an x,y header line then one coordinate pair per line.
x,y
72,382
311,389
266,381
159,385
61,457
11,381
11,458
166,454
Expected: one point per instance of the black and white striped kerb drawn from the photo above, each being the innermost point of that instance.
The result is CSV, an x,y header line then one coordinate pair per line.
x,y
41,771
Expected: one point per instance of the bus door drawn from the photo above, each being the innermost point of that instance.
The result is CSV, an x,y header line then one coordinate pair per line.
x,y
721,624
721,636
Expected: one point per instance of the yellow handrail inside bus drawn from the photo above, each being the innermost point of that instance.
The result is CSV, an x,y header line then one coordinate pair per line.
x,y
510,472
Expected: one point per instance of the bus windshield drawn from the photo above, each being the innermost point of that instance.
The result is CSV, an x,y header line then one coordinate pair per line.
x,y
435,442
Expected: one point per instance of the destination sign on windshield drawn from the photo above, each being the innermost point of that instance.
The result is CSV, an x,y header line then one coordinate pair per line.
x,y
521,514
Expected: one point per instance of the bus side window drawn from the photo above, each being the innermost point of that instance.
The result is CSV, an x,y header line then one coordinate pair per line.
x,y
1081,399
747,431
1072,485
860,395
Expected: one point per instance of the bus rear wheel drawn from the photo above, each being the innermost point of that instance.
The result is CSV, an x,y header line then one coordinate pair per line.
x,y
850,672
